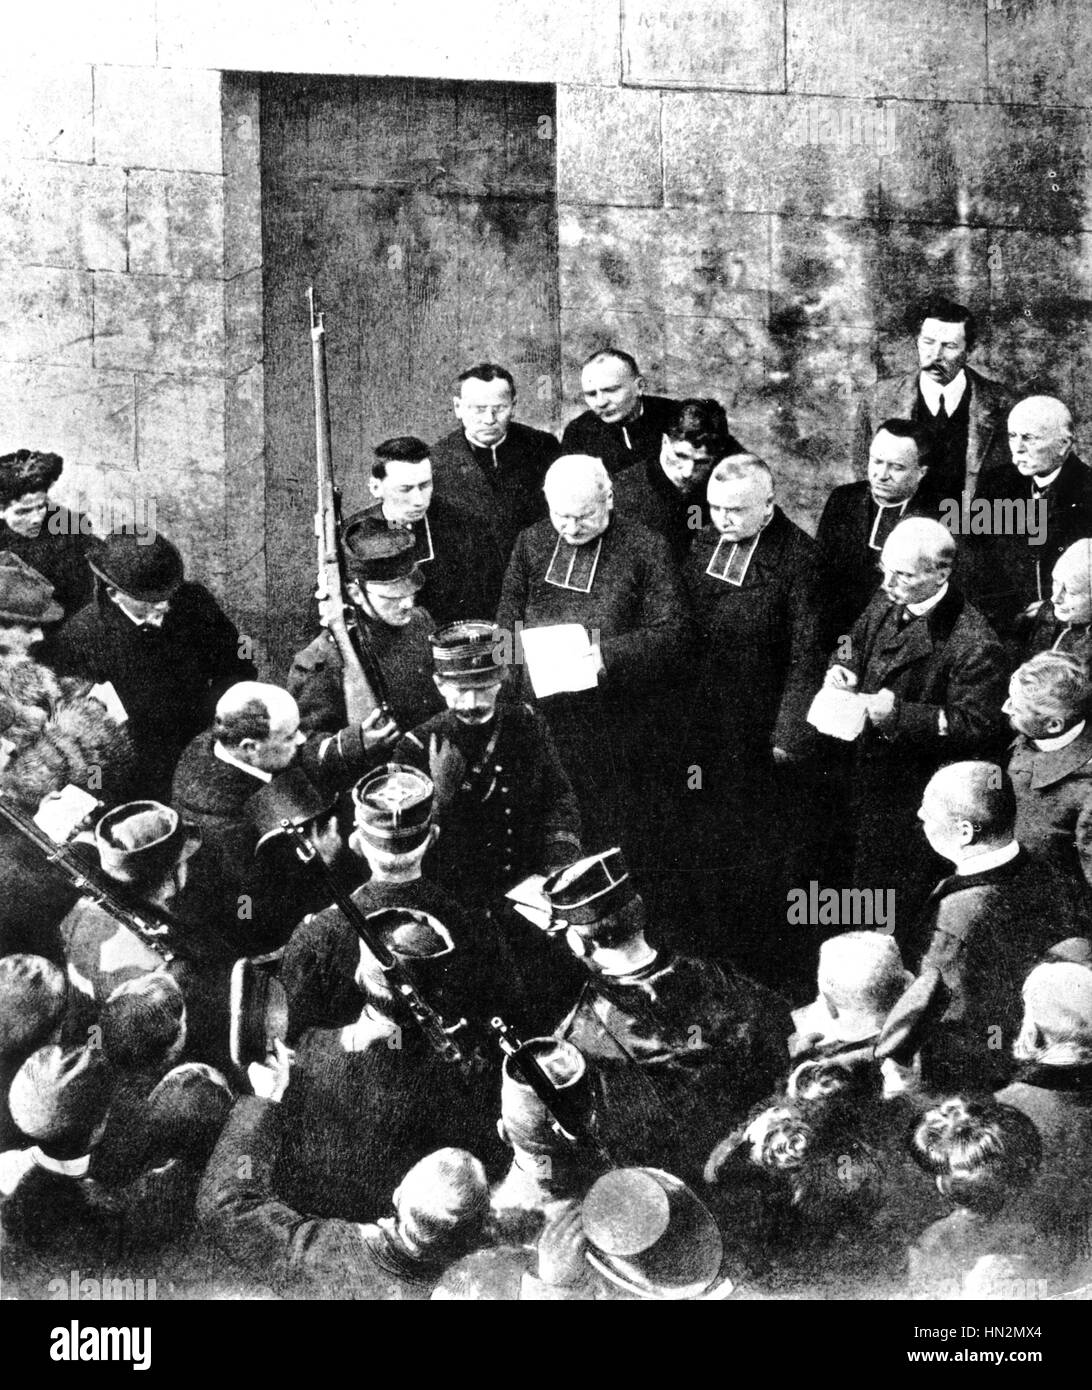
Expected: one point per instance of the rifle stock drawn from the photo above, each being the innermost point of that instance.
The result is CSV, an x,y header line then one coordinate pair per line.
x,y
363,695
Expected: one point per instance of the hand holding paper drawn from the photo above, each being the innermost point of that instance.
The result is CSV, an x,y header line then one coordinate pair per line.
x,y
559,658
838,713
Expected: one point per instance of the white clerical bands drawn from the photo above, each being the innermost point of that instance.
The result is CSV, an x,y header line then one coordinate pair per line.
x,y
732,559
573,566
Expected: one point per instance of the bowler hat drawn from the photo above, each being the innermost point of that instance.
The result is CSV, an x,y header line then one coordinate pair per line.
x,y
591,889
141,840
291,796
379,557
148,569
650,1235
25,595
466,653
394,807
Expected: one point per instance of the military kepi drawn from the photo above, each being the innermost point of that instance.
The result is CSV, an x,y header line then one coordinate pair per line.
x,y
591,889
394,808
467,653
380,557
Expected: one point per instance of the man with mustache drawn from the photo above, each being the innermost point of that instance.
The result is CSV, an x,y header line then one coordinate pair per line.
x,y
960,412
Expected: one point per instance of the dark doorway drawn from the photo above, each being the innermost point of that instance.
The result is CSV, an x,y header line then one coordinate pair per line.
x,y
425,215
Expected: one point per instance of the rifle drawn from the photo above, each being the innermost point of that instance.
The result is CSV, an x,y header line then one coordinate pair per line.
x,y
439,1035
361,677
567,1122
151,925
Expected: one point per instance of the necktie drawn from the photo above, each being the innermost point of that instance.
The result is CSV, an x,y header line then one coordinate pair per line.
x,y
941,416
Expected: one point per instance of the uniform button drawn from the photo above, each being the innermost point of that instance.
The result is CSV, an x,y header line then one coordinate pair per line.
x,y
508,810
505,790
497,767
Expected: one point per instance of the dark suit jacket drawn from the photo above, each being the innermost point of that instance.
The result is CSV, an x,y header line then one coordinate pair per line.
x,y
647,495
985,932
896,398
1046,630
587,434
1054,802
508,496
1007,571
851,568
761,649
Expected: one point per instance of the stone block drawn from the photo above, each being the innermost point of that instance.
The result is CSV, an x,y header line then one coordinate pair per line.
x,y
1041,53
610,259
46,112
240,98
888,48
732,45
87,417
155,323
243,321
158,118
608,146
45,316
772,153
535,41
66,215
1041,283
180,425
176,223
189,511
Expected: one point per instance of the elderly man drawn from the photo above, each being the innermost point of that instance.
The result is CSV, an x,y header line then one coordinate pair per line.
x,y
859,517
492,465
382,590
1039,505
1064,623
960,412
753,579
161,641
984,928
615,579
1051,760
668,494
622,425
460,557
931,674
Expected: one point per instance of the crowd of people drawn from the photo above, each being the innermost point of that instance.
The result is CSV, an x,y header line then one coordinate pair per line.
x,y
700,909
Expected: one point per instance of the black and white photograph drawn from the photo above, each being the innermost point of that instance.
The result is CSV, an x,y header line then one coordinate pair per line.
x,y
546,661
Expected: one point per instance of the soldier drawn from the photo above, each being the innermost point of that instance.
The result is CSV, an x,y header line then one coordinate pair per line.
x,y
492,465
459,555
161,641
677,1042
615,578
622,425
394,634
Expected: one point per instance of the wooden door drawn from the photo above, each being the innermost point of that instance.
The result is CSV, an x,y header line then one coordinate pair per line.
x,y
424,214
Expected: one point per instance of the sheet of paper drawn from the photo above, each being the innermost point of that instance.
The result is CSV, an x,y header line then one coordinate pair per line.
x,y
559,658
838,713
109,698
61,812
530,901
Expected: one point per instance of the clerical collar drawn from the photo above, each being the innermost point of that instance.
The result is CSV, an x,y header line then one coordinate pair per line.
x,y
1044,480
573,566
927,605
932,391
66,1167
732,559
992,859
624,427
219,751
875,542
1051,745
491,447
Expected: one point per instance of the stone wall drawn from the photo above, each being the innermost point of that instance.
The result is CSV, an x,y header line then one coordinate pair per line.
x,y
751,192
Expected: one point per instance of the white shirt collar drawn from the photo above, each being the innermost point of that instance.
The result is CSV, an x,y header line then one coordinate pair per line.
x,y
219,751
1048,745
927,605
1046,479
992,859
932,391
67,1167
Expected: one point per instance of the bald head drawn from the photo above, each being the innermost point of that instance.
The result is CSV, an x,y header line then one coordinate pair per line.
x,y
1072,584
968,808
442,1203
1040,435
580,497
259,725
917,560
